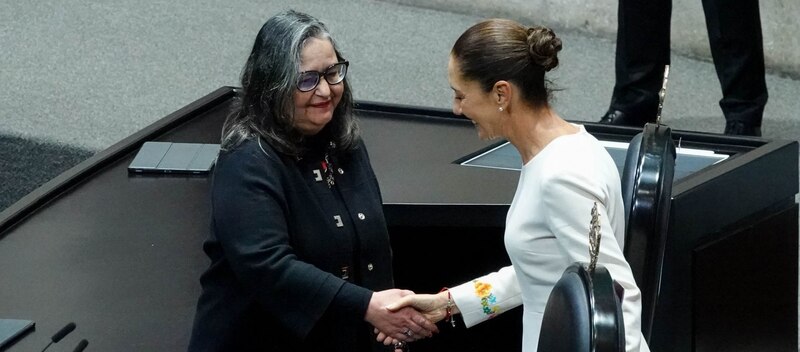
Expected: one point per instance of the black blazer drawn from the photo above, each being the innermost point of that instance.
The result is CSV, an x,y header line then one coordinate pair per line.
x,y
293,262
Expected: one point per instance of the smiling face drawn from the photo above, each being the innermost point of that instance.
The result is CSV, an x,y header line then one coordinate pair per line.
x,y
314,109
474,103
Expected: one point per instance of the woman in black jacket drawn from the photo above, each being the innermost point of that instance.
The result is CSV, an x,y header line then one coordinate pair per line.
x,y
300,255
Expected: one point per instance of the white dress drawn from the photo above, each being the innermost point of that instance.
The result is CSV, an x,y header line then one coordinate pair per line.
x,y
547,229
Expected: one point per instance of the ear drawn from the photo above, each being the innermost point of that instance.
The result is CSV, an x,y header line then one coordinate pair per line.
x,y
501,93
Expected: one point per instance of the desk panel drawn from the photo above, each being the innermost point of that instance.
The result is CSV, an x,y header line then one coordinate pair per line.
x,y
120,255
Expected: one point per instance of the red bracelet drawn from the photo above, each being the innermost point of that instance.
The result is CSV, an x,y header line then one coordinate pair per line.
x,y
448,309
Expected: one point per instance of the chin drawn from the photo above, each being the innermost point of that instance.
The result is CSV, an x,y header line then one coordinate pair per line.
x,y
487,137
325,117
482,135
321,122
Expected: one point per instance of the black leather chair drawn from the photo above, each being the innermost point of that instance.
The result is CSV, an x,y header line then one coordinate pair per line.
x,y
629,173
583,313
647,192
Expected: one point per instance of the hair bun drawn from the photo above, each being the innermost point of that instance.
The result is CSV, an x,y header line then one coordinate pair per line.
x,y
543,47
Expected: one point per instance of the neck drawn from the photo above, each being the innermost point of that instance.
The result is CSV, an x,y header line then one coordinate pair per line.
x,y
530,130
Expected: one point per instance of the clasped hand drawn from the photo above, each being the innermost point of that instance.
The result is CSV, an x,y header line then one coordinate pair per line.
x,y
400,315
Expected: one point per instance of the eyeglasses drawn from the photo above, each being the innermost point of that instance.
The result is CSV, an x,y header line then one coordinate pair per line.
x,y
334,74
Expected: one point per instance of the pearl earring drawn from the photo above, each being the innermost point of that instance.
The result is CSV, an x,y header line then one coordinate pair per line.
x,y
500,109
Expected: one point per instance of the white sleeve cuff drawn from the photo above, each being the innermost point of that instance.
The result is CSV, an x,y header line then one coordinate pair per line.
x,y
486,297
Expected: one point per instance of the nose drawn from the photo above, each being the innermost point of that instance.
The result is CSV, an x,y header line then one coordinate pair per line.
x,y
323,88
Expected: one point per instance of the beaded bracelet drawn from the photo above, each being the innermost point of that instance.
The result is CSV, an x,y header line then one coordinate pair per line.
x,y
448,309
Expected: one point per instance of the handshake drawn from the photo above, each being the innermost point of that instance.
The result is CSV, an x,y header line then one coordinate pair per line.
x,y
401,316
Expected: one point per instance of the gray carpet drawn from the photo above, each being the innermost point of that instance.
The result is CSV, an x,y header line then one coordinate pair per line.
x,y
28,164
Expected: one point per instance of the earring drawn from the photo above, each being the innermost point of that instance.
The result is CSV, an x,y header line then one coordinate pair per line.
x,y
500,109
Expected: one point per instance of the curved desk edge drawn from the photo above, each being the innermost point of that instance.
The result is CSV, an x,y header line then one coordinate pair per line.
x,y
34,200
43,194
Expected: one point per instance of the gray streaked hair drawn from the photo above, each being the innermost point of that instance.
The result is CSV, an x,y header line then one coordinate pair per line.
x,y
265,107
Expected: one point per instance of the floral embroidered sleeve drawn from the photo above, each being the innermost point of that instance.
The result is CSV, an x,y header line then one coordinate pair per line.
x,y
486,297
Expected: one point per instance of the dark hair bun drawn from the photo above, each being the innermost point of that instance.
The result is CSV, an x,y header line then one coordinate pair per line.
x,y
543,47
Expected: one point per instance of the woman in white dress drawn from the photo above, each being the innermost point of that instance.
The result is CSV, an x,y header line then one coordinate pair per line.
x,y
497,73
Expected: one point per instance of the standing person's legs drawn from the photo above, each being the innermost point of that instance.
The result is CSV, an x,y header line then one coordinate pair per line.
x,y
642,52
734,32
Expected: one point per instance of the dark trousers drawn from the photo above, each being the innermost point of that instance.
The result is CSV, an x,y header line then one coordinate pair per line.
x,y
643,38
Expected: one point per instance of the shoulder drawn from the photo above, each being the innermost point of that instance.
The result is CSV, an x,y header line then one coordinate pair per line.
x,y
248,151
579,163
358,153
249,159
578,155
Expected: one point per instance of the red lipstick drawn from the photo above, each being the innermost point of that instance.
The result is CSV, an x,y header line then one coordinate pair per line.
x,y
322,105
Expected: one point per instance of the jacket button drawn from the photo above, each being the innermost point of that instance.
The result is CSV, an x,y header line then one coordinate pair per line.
x,y
341,172
370,267
362,216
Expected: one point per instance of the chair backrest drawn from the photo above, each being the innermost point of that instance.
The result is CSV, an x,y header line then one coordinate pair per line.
x,y
629,173
583,313
647,193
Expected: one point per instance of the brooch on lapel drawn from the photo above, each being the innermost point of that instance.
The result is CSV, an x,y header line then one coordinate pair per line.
x,y
327,165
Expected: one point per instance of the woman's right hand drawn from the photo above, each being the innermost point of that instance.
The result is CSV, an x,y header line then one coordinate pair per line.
x,y
433,307
402,323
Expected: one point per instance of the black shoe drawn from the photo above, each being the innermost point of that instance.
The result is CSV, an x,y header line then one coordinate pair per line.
x,y
619,118
739,128
611,117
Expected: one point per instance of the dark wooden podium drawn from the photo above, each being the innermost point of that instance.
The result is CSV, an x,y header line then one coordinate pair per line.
x,y
120,255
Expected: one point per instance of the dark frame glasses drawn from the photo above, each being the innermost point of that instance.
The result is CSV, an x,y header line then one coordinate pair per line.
x,y
334,74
